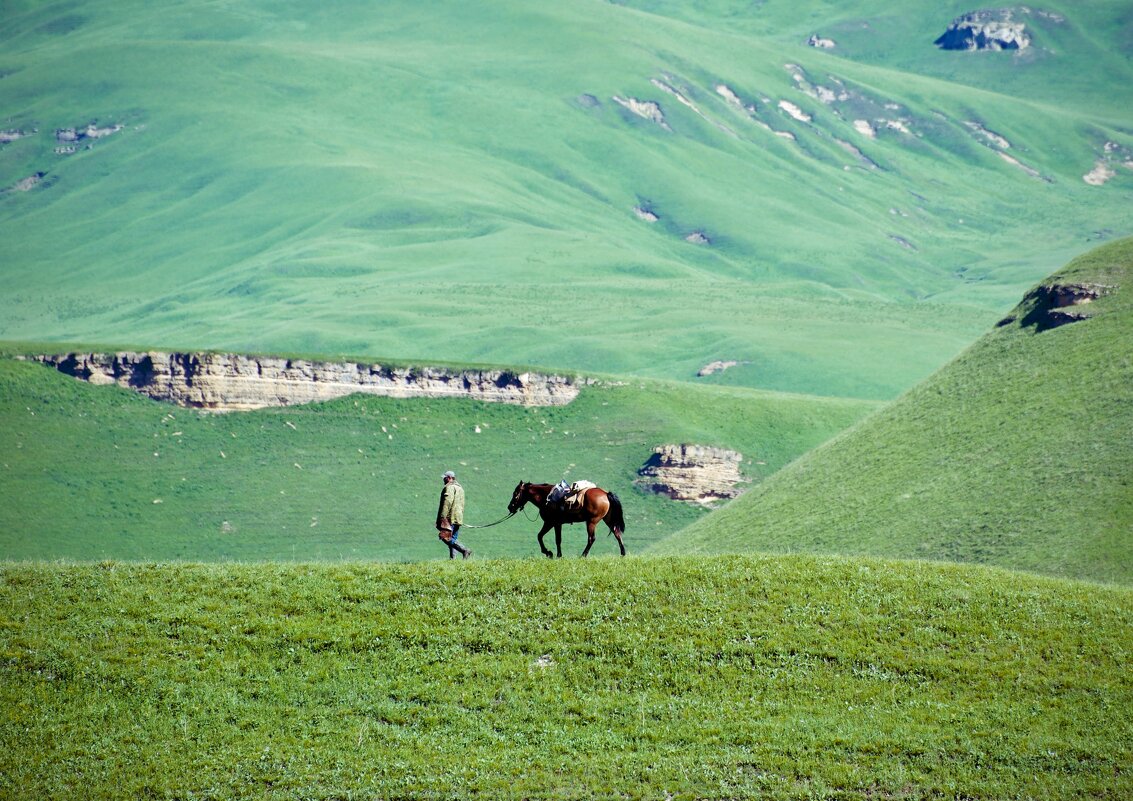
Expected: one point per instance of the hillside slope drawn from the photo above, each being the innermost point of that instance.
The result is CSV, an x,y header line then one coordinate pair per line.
x,y
591,185
1019,453
738,678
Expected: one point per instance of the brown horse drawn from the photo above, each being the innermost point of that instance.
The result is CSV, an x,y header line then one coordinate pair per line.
x,y
597,504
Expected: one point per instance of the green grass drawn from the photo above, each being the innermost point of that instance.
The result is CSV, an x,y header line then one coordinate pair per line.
x,y
770,678
1016,454
426,184
94,472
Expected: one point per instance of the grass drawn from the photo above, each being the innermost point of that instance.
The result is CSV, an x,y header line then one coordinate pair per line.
x,y
416,185
744,677
1016,454
99,472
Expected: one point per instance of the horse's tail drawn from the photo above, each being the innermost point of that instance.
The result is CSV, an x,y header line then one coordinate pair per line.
x,y
614,518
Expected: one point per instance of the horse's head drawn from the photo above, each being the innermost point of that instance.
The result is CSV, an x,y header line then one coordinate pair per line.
x,y
519,497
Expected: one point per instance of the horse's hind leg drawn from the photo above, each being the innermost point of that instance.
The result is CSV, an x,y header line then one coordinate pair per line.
x,y
559,541
621,544
590,526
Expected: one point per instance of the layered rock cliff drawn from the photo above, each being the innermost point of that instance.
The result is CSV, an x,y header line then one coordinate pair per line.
x,y
230,382
693,473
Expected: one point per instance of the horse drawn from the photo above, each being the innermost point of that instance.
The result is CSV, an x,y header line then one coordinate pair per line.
x,y
597,504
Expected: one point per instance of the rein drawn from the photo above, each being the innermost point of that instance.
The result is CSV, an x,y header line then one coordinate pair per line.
x,y
489,525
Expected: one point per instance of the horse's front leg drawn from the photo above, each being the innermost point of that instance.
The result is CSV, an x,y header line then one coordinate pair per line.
x,y
542,547
590,526
559,540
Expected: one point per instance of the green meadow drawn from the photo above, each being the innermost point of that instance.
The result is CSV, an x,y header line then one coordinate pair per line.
x,y
95,472
683,678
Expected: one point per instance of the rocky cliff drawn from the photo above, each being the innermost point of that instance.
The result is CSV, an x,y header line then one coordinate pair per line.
x,y
229,382
992,29
693,473
1053,305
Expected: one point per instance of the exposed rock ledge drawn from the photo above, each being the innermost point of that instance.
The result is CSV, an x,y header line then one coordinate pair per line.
x,y
230,382
694,473
1053,305
989,29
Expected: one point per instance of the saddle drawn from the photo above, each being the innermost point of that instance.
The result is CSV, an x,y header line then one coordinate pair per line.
x,y
569,496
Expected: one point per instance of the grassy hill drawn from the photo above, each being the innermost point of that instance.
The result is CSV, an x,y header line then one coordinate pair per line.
x,y
93,472
745,677
442,183
1019,453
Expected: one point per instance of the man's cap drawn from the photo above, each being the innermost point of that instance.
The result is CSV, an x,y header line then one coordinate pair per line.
x,y
449,474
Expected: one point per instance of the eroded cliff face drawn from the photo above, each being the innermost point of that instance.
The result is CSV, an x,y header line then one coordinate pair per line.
x,y
231,382
693,473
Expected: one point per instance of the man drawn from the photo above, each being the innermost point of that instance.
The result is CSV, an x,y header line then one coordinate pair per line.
x,y
450,516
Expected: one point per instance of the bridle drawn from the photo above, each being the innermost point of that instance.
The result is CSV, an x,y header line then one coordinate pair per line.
x,y
520,499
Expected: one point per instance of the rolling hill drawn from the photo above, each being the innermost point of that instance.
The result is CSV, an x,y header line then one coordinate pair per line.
x,y
1019,453
630,188
726,677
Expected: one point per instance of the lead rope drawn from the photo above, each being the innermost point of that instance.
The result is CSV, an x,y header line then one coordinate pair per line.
x,y
489,525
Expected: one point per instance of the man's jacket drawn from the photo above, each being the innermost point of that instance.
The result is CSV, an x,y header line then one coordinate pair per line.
x,y
452,504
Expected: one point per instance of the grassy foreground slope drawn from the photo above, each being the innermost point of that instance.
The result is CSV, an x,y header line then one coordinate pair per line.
x,y
94,472
1019,453
448,182
770,678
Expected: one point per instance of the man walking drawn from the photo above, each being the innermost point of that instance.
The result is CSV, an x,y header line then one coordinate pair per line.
x,y
450,516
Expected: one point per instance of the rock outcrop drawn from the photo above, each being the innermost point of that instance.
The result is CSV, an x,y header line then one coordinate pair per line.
x,y
1053,305
719,366
1105,167
715,367
230,382
646,109
693,473
994,29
